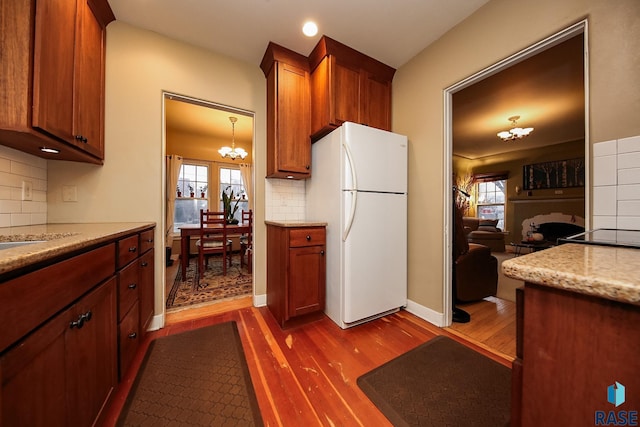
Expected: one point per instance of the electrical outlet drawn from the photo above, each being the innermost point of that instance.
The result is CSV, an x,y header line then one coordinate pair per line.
x,y
27,190
69,193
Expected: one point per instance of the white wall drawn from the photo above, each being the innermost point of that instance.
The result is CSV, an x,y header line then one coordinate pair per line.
x,y
616,184
16,167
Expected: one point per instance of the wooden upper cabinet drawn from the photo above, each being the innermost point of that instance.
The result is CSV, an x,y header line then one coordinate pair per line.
x,y
288,113
53,77
347,85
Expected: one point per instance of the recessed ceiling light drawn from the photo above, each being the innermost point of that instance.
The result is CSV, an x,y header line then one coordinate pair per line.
x,y
310,29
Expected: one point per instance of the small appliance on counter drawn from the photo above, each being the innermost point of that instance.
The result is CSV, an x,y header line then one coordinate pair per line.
x,y
606,237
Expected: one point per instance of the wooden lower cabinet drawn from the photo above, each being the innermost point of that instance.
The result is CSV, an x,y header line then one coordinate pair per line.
x,y
64,372
296,273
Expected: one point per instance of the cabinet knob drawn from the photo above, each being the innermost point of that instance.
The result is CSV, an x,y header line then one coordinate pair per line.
x,y
322,253
81,138
132,335
133,249
144,263
307,167
308,238
132,286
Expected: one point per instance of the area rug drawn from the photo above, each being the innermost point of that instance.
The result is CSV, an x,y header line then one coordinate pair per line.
x,y
195,378
213,286
441,383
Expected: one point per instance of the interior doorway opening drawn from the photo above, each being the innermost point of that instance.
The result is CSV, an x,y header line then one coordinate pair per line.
x,y
195,177
579,28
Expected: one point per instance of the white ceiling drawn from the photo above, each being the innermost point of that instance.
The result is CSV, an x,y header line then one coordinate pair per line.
x,y
391,31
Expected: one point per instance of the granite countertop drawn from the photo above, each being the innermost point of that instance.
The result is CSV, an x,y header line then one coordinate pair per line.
x,y
296,223
602,271
58,240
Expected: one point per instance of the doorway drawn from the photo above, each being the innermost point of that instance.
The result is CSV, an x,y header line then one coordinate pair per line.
x,y
196,174
578,29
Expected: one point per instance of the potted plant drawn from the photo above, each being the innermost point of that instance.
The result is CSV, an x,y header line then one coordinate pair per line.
x,y
227,201
178,190
191,190
203,191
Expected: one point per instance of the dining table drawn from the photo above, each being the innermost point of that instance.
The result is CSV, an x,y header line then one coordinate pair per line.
x,y
188,230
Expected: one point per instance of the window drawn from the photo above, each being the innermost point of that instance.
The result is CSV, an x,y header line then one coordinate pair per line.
x,y
231,177
491,200
193,184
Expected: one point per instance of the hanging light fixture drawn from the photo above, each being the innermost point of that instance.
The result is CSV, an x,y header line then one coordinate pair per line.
x,y
233,152
515,132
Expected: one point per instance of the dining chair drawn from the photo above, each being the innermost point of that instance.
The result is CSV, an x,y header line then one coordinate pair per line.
x,y
246,241
213,240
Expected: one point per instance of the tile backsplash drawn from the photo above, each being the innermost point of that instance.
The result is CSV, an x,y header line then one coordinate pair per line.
x,y
285,200
17,167
616,184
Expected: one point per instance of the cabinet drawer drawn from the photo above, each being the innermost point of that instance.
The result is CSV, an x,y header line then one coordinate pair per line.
x,y
128,249
127,288
306,237
129,338
146,240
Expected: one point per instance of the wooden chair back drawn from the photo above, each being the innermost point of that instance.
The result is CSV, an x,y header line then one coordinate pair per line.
x,y
213,242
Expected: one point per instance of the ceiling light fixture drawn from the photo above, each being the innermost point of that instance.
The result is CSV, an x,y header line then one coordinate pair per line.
x,y
233,152
515,132
310,29
49,150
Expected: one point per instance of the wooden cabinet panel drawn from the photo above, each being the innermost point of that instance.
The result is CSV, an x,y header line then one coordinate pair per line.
x,y
128,250
288,113
146,290
65,371
345,92
128,339
295,273
375,105
127,288
146,240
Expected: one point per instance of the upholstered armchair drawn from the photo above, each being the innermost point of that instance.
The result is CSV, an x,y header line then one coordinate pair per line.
x,y
484,232
475,269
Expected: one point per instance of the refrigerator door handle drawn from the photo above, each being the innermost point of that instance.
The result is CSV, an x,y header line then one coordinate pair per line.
x,y
352,214
352,167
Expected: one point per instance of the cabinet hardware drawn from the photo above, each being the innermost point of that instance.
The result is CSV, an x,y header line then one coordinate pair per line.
x,y
81,319
132,286
133,249
149,240
322,253
81,138
307,167
144,263
308,238
132,335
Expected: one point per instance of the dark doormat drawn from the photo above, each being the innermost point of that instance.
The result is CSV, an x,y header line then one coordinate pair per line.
x,y
199,377
441,383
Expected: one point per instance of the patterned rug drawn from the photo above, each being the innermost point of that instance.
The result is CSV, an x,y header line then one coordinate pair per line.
x,y
195,378
213,285
441,383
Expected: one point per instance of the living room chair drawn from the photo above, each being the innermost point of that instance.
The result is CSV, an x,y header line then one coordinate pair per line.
x,y
213,240
475,269
246,241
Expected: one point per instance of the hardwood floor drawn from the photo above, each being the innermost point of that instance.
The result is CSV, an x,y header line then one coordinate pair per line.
x,y
307,375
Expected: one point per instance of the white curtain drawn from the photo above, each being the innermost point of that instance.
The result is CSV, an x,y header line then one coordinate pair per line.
x,y
174,163
246,172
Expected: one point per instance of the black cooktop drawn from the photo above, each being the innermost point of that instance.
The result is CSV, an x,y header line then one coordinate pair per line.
x,y
606,237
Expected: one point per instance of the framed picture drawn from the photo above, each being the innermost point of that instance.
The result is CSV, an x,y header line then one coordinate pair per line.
x,y
556,174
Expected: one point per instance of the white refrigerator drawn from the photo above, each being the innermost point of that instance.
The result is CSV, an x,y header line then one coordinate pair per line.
x,y
358,186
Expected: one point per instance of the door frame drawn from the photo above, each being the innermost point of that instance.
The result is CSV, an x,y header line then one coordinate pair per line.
x,y
580,27
209,104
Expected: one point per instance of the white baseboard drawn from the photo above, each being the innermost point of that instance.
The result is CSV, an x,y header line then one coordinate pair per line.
x,y
157,322
425,313
260,300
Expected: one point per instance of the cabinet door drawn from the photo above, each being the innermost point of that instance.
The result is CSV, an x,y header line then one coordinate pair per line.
x,y
53,68
91,359
306,280
346,93
146,291
88,93
375,102
291,139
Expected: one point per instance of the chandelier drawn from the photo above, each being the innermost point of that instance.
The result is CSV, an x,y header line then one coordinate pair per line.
x,y
233,152
515,132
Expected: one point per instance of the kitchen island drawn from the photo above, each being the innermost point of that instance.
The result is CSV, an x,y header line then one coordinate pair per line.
x,y
73,309
578,335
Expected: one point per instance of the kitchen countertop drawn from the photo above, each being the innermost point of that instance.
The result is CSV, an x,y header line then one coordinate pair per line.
x,y
296,223
607,272
59,239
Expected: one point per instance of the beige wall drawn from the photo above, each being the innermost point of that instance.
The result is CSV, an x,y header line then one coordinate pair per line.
x,y
496,31
129,187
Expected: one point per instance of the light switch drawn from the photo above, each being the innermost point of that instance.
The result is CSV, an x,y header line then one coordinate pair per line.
x,y
27,190
69,193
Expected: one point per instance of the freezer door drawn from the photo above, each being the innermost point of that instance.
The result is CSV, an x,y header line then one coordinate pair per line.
x,y
373,159
374,267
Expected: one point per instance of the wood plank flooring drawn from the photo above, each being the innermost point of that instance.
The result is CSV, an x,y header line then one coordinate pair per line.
x,y
307,375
